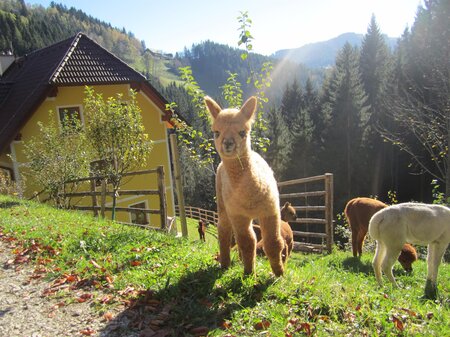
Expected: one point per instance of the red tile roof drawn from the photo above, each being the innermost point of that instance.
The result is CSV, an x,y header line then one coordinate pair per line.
x,y
72,62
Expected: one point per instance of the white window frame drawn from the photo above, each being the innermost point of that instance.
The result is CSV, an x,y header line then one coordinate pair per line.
x,y
62,107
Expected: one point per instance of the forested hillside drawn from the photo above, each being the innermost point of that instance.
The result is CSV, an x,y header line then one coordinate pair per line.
x,y
377,119
26,28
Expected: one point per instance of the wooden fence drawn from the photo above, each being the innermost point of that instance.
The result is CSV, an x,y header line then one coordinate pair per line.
x,y
210,217
104,192
312,198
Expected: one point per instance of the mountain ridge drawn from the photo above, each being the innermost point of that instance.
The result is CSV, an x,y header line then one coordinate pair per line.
x,y
322,54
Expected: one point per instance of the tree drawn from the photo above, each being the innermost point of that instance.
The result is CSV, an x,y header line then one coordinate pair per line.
x,y
345,115
57,155
116,133
279,152
418,99
373,63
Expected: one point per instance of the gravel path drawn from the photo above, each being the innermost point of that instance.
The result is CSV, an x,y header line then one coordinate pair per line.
x,y
26,310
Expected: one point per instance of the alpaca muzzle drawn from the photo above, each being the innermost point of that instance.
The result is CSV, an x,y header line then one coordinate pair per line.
x,y
228,145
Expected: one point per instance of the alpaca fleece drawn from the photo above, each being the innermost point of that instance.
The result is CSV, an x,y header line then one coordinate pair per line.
x,y
245,188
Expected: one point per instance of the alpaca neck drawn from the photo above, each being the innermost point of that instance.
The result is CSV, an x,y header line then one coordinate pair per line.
x,y
237,165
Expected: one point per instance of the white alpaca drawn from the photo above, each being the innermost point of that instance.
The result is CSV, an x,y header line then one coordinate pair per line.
x,y
416,223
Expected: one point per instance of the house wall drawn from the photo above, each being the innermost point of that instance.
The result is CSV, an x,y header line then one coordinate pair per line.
x,y
154,126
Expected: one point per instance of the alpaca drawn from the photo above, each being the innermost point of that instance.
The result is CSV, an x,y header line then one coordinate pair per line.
x,y
245,188
202,230
288,213
358,212
410,222
408,255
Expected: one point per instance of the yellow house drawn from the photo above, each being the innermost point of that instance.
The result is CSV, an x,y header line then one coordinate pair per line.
x,y
54,79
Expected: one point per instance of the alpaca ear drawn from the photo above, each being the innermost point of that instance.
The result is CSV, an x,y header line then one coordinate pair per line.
x,y
287,204
213,107
249,108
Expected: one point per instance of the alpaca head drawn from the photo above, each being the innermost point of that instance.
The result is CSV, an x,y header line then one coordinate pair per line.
x,y
231,128
288,212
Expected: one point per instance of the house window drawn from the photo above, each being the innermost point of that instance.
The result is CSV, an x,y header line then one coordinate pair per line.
x,y
138,217
69,114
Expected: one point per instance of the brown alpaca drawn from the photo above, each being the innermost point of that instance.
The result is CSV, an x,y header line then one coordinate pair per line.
x,y
245,188
202,230
358,212
288,213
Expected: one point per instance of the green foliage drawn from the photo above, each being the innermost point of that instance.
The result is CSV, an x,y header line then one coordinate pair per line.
x,y
116,133
245,37
60,153
319,295
232,91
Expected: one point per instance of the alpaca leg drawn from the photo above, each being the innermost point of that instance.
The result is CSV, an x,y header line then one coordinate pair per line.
x,y
246,241
273,243
435,253
355,243
376,262
361,237
224,232
391,255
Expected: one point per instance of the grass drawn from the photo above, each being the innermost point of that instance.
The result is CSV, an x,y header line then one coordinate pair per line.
x,y
319,295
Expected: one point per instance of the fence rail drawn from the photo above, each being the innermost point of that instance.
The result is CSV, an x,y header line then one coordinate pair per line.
x,y
319,202
103,193
324,222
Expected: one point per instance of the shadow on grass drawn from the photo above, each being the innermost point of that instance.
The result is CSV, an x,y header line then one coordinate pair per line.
x,y
355,265
9,204
194,301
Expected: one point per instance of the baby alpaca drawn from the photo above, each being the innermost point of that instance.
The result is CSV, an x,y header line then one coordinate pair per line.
x,y
245,188
410,222
288,213
358,212
202,230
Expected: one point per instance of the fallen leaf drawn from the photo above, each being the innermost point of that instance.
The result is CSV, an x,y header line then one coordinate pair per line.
x,y
83,298
264,324
109,279
136,263
88,332
225,325
397,323
108,316
410,312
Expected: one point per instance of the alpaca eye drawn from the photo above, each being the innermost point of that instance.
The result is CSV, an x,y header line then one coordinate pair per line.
x,y
242,134
216,134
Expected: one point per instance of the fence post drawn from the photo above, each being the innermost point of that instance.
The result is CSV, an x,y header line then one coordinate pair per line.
x,y
102,206
329,209
178,184
94,197
162,197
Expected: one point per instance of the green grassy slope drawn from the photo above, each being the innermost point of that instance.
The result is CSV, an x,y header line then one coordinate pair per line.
x,y
319,295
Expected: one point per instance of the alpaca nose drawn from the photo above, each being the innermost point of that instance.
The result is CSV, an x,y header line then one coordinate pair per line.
x,y
228,144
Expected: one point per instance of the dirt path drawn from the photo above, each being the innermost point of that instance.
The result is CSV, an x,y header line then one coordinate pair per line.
x,y
26,312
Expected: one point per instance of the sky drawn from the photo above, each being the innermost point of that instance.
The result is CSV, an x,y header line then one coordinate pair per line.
x,y
171,25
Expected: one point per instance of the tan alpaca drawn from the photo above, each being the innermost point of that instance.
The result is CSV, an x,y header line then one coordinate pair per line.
x,y
245,187
288,213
